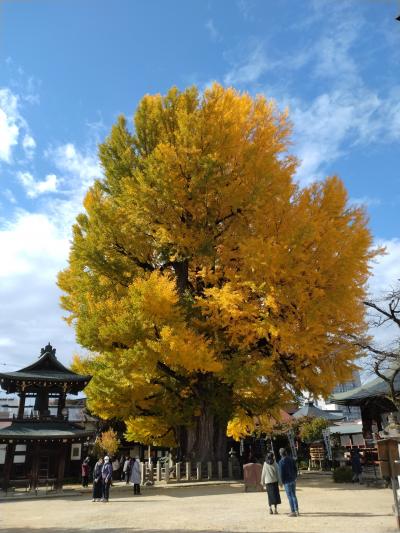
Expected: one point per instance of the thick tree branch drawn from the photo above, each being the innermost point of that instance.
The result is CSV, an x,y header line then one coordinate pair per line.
x,y
141,264
171,373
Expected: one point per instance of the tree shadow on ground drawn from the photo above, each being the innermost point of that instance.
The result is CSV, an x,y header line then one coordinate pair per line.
x,y
122,494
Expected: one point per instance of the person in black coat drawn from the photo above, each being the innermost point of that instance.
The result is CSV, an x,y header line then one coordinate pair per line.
x,y
356,465
97,481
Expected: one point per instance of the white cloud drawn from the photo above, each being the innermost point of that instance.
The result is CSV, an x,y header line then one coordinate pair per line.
x,y
33,251
386,269
35,248
14,129
36,188
9,123
77,169
80,168
31,244
29,145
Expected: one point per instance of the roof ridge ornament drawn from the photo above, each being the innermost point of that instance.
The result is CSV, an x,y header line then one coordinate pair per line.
x,y
47,349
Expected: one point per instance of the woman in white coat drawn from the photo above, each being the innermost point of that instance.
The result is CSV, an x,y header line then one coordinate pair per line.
x,y
135,475
270,478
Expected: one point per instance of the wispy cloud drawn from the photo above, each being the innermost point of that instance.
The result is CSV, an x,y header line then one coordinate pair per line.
x,y
365,201
29,145
212,30
246,8
249,68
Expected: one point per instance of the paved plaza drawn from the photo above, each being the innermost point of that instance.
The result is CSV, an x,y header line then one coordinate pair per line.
x,y
324,506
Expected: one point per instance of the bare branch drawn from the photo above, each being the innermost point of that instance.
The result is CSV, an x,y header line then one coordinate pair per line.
x,y
391,314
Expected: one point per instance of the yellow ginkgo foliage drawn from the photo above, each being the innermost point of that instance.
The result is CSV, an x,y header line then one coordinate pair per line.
x,y
208,287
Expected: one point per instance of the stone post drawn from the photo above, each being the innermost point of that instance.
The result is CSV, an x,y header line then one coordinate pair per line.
x,y
198,471
219,469
151,473
178,471
142,473
167,472
188,470
209,470
158,474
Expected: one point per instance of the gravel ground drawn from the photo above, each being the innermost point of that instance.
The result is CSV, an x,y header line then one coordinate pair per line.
x,y
324,507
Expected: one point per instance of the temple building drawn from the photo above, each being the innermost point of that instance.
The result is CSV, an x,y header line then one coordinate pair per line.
x,y
38,444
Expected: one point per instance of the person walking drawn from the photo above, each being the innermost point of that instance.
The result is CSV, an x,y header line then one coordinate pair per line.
x,y
356,465
116,465
85,472
270,478
135,475
288,475
106,475
97,481
126,469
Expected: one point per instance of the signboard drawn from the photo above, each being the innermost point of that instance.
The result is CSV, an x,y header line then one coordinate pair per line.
x,y
76,451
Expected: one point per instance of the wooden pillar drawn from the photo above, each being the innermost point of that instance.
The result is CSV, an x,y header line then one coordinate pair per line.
x,y
21,406
35,464
61,457
61,404
8,464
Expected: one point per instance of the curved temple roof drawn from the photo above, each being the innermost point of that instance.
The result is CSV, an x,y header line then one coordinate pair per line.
x,y
46,369
376,388
310,410
40,431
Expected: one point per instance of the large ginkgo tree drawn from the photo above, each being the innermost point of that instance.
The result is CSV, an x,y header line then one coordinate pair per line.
x,y
208,287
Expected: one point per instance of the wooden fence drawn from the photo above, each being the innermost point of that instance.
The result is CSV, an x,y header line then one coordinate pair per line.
x,y
187,471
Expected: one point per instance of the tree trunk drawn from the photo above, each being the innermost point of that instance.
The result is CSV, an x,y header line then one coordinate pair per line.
x,y
205,440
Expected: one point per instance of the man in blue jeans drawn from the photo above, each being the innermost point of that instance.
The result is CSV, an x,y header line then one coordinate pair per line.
x,y
288,476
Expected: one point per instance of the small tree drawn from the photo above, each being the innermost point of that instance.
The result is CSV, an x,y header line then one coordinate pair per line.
x,y
108,442
310,429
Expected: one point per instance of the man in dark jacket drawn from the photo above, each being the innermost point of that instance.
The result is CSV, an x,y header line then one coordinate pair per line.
x,y
288,476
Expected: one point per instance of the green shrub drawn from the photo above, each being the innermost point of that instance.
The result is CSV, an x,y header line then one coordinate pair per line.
x,y
343,474
303,464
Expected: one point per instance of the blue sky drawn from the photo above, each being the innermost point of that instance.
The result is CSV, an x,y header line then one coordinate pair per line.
x,y
69,67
